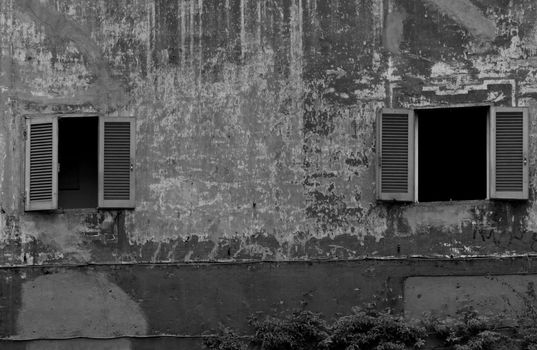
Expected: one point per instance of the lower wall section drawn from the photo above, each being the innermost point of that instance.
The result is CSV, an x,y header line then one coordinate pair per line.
x,y
127,303
491,294
161,343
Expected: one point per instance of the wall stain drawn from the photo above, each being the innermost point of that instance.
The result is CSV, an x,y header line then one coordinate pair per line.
x,y
73,303
468,15
272,103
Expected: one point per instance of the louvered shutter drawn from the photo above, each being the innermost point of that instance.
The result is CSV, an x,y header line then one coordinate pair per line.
x,y
395,149
41,164
509,153
116,162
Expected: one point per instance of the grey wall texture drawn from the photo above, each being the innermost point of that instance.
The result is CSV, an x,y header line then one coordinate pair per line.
x,y
255,157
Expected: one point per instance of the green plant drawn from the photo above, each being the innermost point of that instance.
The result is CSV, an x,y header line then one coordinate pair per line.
x,y
527,321
471,331
371,330
227,340
303,330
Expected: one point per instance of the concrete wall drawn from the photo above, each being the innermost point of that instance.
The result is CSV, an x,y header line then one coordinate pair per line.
x,y
176,305
255,123
255,135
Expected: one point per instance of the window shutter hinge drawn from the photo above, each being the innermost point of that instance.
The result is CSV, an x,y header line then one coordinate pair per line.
x,y
25,133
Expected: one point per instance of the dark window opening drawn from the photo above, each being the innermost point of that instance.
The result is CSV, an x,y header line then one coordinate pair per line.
x,y
452,154
78,152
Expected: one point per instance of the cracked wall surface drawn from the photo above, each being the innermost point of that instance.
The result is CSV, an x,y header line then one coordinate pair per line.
x,y
255,123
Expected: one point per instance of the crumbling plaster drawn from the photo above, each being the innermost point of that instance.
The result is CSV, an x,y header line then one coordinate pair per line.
x,y
255,123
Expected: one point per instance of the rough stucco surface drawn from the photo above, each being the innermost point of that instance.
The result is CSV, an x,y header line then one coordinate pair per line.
x,y
255,123
255,127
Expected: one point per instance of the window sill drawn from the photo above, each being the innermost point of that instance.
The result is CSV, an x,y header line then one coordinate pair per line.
x,y
450,204
75,211
85,211
472,202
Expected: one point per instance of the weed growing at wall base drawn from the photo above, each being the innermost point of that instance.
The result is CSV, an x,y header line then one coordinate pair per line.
x,y
227,340
305,330
470,331
373,330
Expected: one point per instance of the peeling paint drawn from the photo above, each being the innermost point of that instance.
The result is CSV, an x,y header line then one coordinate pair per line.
x,y
447,217
59,27
256,145
256,122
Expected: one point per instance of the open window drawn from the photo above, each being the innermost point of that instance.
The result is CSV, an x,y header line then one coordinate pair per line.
x,y
453,153
79,162
78,154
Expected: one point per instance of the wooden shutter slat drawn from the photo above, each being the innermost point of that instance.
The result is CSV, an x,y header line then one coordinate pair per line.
x,y
395,147
41,163
116,178
509,148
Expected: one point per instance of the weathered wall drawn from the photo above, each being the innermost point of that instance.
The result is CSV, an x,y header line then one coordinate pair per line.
x,y
255,123
255,140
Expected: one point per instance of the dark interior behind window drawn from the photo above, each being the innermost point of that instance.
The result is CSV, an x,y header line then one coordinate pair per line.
x,y
78,157
452,154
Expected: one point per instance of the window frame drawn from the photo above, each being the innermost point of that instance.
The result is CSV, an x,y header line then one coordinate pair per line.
x,y
490,188
54,118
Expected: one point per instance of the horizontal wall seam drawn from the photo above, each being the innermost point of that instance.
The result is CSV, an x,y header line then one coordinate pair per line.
x,y
115,337
280,262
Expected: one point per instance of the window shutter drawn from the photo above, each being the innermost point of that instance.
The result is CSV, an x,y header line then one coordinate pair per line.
x,y
41,164
395,149
509,153
116,162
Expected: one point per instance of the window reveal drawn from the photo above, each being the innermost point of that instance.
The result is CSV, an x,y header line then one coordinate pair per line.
x,y
452,154
78,154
